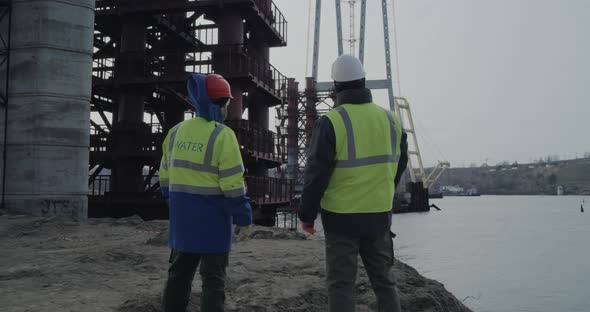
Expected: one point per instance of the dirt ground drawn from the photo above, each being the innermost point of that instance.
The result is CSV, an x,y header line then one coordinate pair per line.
x,y
120,265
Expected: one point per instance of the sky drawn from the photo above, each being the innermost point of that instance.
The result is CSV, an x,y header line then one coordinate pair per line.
x,y
488,81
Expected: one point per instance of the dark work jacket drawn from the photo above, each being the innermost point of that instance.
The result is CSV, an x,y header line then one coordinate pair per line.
x,y
318,171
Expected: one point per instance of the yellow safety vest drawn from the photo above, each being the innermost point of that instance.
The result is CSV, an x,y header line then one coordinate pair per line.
x,y
368,140
202,157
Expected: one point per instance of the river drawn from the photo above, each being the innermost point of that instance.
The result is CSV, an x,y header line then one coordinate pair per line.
x,y
503,253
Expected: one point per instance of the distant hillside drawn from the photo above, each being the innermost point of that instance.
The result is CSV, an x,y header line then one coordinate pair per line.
x,y
523,179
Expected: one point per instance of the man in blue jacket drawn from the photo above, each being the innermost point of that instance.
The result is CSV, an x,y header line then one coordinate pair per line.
x,y
201,176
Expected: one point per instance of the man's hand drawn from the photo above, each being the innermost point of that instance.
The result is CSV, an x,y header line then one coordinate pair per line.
x,y
308,228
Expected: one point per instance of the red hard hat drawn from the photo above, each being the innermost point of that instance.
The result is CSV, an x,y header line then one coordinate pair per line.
x,y
217,87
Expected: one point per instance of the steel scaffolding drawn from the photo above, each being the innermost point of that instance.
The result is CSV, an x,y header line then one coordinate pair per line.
x,y
144,53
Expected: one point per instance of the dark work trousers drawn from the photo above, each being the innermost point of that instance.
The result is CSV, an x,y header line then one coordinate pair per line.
x,y
341,265
180,280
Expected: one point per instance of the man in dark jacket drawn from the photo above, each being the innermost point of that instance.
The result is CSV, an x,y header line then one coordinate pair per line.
x,y
357,155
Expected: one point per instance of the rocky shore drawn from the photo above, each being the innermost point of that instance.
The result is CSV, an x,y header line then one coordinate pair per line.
x,y
120,265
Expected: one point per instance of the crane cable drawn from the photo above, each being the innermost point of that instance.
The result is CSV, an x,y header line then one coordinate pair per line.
x,y
431,142
423,132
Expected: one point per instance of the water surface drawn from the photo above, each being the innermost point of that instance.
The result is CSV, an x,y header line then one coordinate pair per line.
x,y
503,253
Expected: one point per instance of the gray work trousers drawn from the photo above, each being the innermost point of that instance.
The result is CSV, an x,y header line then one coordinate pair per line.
x,y
180,280
341,265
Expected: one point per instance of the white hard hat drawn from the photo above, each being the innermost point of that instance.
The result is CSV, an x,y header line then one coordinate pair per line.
x,y
347,68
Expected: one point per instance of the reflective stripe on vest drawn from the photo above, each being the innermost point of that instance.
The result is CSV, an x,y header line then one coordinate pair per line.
x,y
231,171
206,190
352,160
363,177
198,190
163,164
171,143
207,166
209,152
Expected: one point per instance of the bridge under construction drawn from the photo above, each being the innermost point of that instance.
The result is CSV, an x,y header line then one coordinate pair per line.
x,y
89,88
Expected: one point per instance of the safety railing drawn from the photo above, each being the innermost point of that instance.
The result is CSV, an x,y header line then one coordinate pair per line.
x,y
278,21
237,61
262,190
102,184
103,68
200,62
268,76
266,190
105,4
281,146
156,127
269,10
261,142
286,220
99,142
231,61
151,140
207,34
274,15
137,65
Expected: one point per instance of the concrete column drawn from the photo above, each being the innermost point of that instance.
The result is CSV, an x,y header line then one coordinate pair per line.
x,y
49,107
2,133
5,32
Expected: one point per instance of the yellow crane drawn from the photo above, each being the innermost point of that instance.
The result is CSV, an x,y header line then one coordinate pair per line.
x,y
415,164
